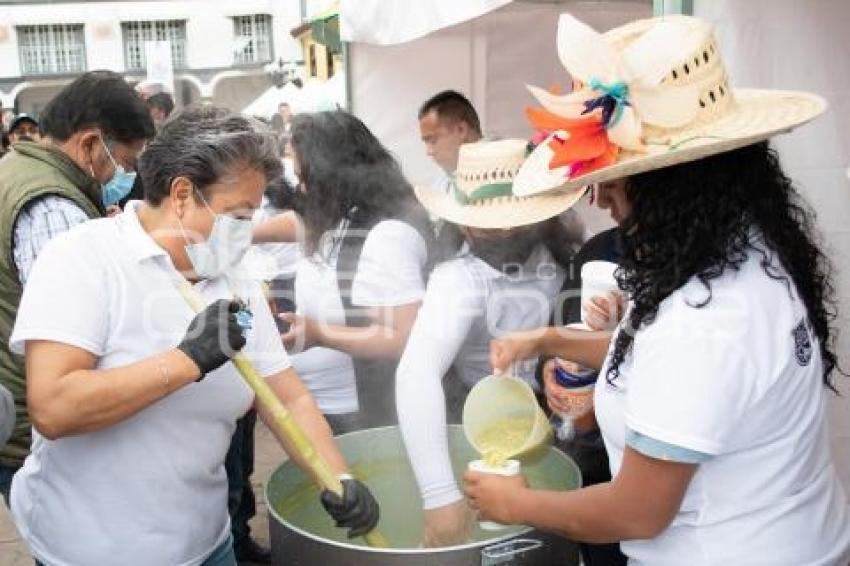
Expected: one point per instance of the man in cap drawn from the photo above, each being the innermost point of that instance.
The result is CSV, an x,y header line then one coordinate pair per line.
x,y
24,128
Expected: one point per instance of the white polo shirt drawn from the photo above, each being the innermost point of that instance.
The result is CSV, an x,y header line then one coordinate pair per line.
x,y
151,489
739,380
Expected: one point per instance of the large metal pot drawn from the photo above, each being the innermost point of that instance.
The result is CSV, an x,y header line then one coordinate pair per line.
x,y
303,535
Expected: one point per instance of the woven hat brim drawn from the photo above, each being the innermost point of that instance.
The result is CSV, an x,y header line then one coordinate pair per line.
x,y
757,116
500,212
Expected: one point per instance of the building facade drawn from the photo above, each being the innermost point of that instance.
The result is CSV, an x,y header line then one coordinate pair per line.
x,y
220,49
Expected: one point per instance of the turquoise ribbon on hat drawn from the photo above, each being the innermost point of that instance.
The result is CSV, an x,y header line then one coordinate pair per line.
x,y
618,90
614,97
492,190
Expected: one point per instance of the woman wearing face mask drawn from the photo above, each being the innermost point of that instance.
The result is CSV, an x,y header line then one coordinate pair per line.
x,y
505,277
131,394
368,247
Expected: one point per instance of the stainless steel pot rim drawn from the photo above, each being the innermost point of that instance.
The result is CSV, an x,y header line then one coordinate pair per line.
x,y
362,548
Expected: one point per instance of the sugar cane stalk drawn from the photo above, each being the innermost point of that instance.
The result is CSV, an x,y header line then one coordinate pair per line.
x,y
281,419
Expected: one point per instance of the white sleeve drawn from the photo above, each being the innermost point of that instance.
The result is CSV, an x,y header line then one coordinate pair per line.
x,y
265,347
450,306
391,265
693,377
66,297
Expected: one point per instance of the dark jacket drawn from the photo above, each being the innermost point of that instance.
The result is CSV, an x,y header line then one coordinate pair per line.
x,y
28,172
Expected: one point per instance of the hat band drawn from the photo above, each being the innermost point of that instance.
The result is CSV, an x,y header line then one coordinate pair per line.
x,y
492,190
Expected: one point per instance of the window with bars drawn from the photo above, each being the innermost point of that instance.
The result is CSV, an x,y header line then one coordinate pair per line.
x,y
252,39
137,33
51,49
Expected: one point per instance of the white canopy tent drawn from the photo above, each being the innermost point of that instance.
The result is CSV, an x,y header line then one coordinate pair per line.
x,y
384,22
314,96
486,49
266,104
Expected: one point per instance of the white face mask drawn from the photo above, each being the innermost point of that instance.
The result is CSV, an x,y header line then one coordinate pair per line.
x,y
223,249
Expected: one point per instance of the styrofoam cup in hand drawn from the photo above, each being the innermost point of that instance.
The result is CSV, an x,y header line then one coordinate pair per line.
x,y
597,279
509,468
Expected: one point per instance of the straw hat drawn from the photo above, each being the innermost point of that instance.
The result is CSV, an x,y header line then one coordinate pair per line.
x,y
482,196
647,95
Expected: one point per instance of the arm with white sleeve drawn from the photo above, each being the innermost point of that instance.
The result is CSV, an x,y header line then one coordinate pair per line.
x,y
450,306
389,283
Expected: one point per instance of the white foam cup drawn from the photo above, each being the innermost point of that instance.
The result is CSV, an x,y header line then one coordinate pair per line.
x,y
509,468
597,279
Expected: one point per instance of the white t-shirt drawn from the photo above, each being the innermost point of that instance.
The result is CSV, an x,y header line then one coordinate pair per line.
x,y
740,380
467,304
289,171
389,274
328,373
151,489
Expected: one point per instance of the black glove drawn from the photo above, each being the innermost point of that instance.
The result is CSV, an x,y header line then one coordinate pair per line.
x,y
214,336
356,511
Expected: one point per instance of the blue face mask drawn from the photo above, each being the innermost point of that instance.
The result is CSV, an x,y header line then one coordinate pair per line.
x,y
119,186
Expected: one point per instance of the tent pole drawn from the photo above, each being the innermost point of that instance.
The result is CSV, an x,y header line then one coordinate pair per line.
x,y
661,7
346,58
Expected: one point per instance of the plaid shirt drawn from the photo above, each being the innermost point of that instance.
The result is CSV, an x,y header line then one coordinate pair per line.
x,y
40,221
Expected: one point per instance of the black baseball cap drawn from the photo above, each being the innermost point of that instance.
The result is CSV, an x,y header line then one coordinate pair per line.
x,y
22,118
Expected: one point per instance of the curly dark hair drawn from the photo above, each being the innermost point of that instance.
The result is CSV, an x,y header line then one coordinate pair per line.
x,y
348,173
697,219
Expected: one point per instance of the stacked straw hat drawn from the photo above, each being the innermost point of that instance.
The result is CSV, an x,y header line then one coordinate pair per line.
x,y
482,193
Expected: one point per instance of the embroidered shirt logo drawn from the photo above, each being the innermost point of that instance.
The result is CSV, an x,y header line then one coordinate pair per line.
x,y
802,343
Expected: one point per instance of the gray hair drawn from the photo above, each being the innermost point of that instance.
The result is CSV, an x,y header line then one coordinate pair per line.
x,y
205,144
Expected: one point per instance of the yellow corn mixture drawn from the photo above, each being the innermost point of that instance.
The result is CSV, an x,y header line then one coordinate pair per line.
x,y
504,439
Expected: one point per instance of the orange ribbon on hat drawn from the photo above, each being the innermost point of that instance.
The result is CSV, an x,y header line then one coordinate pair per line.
x,y
581,144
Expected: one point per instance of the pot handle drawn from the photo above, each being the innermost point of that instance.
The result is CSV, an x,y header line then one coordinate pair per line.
x,y
506,552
